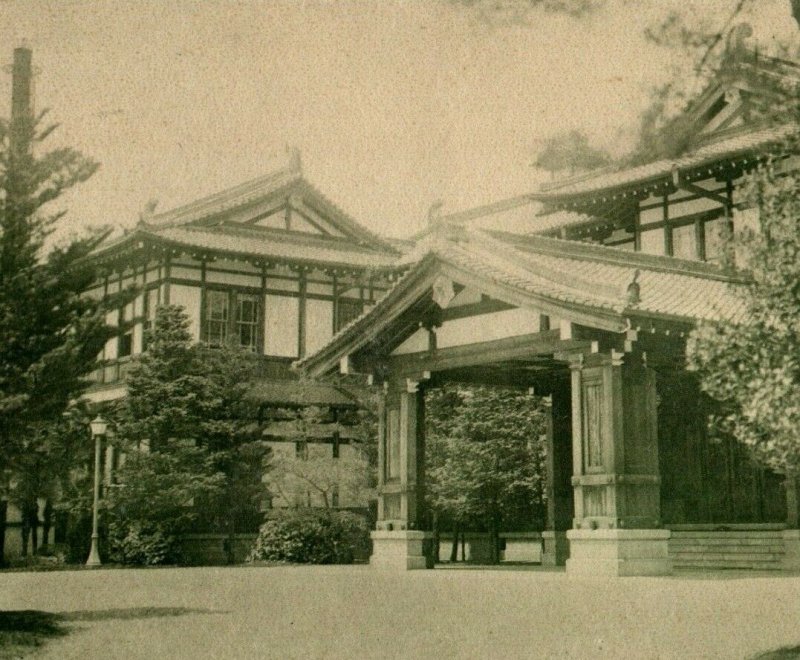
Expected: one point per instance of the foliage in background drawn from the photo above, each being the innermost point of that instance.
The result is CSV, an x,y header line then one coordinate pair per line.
x,y
312,536
315,477
752,367
485,458
569,153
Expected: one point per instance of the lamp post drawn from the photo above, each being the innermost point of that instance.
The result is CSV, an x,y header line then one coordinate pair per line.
x,y
98,426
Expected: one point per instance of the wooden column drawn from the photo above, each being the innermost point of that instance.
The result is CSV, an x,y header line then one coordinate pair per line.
x,y
617,520
399,541
401,457
559,473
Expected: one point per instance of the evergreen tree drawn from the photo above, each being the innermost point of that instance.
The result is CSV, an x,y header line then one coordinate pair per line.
x,y
50,334
190,433
485,459
571,153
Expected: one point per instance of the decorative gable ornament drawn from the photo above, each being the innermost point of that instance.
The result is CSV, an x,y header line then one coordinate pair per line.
x,y
443,291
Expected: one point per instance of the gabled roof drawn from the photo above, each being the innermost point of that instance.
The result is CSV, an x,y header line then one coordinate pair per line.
x,y
720,124
577,281
219,223
255,243
741,145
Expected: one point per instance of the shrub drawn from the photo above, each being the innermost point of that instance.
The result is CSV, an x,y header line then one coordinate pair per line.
x,y
138,544
312,536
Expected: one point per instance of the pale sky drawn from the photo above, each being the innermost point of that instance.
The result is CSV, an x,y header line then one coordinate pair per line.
x,y
392,104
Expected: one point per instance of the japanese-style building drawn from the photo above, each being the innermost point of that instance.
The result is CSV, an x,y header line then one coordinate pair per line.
x,y
272,266
592,306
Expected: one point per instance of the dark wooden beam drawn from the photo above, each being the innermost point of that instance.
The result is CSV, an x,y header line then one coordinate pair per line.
x,y
489,352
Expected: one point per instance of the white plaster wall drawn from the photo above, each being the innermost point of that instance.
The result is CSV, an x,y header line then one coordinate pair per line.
x,y
188,297
281,320
319,323
414,344
138,337
487,327
215,277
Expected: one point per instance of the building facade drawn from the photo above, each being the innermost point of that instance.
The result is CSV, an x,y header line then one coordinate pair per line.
x,y
592,305
271,266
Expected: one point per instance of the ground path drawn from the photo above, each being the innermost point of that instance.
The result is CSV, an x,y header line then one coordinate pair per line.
x,y
358,612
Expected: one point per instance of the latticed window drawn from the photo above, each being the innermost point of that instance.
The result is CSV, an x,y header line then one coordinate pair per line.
x,y
247,321
232,317
217,319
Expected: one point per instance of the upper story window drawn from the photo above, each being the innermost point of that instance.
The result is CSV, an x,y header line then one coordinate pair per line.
x,y
247,320
231,317
217,321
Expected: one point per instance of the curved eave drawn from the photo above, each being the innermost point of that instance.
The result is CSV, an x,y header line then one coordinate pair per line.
x,y
141,240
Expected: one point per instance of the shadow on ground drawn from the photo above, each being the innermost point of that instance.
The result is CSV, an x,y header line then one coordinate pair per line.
x,y
22,632
783,653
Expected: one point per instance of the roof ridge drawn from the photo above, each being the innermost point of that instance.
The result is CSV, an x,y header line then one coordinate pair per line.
x,y
619,257
558,276
236,229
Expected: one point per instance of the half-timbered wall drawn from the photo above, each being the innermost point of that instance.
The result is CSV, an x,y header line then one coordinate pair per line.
x,y
281,311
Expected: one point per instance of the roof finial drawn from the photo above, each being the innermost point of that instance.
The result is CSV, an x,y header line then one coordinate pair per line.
x,y
148,210
634,290
736,44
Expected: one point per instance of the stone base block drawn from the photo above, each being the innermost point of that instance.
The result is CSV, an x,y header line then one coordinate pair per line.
x,y
618,552
555,548
791,550
400,550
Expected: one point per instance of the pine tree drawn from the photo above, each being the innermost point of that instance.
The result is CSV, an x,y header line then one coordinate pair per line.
x,y
50,334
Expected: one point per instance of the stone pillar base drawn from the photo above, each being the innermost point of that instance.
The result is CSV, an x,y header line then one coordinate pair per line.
x,y
400,550
618,552
791,550
555,548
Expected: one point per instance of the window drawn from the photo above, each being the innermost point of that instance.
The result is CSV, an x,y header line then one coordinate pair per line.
x,y
247,321
217,317
714,232
126,344
301,449
231,317
125,347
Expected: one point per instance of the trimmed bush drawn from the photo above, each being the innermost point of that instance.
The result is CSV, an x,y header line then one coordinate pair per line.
x,y
312,536
142,545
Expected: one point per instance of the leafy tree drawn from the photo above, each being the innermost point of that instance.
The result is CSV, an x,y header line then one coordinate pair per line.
x,y
752,367
485,458
570,152
316,476
50,335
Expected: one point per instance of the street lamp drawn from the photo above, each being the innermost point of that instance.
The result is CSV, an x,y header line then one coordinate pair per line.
x,y
98,426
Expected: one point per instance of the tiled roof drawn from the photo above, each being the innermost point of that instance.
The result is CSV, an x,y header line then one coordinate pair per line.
x,y
268,245
227,199
566,273
741,144
518,214
298,393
